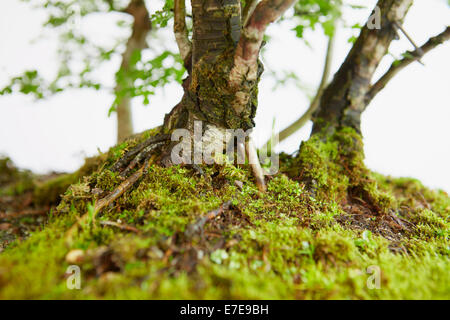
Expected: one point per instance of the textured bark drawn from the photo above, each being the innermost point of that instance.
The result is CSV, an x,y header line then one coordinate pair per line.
x,y
216,27
216,30
344,99
221,89
136,42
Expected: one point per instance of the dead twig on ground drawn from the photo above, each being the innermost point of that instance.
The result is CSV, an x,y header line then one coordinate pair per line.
x,y
14,215
120,226
198,225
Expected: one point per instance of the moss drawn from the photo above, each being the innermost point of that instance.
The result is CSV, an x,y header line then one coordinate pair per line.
x,y
334,170
12,180
287,243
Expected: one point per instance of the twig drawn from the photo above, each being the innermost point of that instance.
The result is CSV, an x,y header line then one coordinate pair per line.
x,y
36,212
120,226
198,225
419,51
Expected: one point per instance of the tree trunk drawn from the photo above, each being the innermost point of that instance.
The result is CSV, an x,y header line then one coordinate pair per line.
x,y
136,42
344,100
208,95
332,160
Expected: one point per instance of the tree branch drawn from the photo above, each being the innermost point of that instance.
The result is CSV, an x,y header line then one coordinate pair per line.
x,y
343,100
136,42
180,29
409,58
247,51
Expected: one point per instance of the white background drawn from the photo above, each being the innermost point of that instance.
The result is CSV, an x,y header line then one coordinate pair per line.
x,y
406,128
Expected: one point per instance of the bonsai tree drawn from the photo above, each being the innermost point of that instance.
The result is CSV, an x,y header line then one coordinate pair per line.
x,y
149,220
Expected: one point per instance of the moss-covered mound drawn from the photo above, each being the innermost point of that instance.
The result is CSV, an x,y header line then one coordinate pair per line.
x,y
305,238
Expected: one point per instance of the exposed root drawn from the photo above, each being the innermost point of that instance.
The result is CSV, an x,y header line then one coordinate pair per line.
x,y
131,155
120,226
106,201
255,165
144,154
198,226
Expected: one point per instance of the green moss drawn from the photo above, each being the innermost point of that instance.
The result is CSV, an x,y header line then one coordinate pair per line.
x,y
287,243
334,170
12,180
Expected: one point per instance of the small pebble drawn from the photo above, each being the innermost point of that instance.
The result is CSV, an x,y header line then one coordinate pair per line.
x,y
75,256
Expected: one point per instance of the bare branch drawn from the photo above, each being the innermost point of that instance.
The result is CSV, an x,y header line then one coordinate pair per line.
x,y
247,51
409,58
33,212
180,29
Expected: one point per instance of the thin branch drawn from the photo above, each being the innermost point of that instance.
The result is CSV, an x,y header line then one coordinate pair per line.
x,y
297,125
137,149
120,226
180,29
247,51
250,6
400,27
409,58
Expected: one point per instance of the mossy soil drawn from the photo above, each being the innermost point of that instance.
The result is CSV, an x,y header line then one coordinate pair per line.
x,y
326,228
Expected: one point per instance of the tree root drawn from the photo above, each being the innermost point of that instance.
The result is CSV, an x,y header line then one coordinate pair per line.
x,y
198,225
106,201
131,155
144,153
120,226
141,153
255,165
